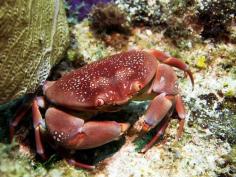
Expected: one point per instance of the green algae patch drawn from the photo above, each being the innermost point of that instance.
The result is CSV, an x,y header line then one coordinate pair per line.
x,y
17,164
232,155
62,168
89,47
229,93
71,54
33,37
14,164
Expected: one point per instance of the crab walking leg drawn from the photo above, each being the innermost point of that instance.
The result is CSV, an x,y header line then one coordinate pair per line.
x,y
37,121
19,116
172,61
181,113
159,133
181,65
153,116
180,129
79,165
165,81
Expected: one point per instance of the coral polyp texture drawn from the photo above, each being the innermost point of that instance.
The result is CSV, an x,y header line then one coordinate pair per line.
x,y
33,37
79,9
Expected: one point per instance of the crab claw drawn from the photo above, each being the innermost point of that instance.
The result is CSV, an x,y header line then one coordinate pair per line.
x,y
73,133
156,111
157,114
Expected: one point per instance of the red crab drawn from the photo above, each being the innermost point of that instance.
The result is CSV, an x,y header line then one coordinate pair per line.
x,y
110,82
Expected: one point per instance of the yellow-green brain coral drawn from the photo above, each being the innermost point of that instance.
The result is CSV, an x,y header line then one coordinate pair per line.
x,y
33,37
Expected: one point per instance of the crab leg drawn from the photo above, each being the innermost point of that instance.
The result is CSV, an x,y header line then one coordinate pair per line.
x,y
154,116
37,121
79,165
165,81
180,129
159,133
157,110
181,113
162,57
19,116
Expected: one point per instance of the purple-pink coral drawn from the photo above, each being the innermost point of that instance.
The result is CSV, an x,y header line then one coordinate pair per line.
x,y
80,8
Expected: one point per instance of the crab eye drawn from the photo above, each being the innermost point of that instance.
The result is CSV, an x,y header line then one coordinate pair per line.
x,y
99,102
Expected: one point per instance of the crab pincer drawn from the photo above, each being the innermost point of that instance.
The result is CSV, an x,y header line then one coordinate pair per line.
x,y
74,133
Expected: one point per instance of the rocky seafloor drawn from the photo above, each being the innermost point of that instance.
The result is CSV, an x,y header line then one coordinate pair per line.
x,y
208,145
